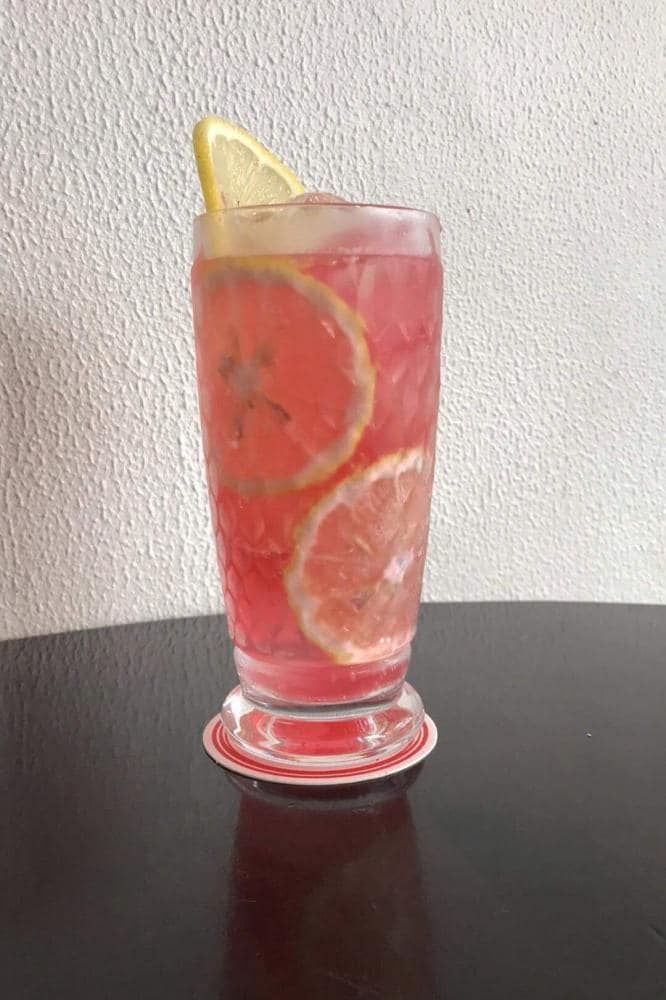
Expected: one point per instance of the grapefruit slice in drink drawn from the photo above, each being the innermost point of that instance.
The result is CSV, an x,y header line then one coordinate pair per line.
x,y
354,581
285,378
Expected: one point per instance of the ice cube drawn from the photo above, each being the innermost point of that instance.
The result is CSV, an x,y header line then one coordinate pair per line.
x,y
275,229
318,198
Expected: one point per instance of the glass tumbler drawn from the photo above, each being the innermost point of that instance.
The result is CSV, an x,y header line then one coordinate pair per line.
x,y
317,333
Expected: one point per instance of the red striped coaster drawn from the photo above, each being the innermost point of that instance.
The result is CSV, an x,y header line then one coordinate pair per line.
x,y
224,751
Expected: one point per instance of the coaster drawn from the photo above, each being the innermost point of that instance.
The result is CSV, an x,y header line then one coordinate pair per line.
x,y
223,751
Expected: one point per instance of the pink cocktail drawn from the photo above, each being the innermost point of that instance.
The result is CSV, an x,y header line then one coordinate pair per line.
x,y
318,344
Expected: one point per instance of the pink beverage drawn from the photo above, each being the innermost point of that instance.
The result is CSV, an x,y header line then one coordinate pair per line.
x,y
318,343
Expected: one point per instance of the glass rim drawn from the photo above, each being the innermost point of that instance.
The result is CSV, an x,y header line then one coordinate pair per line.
x,y
240,210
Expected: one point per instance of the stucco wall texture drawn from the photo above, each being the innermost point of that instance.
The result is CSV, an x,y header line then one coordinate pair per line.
x,y
535,131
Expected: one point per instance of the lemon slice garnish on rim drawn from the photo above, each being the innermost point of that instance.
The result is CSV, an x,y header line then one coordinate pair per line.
x,y
235,169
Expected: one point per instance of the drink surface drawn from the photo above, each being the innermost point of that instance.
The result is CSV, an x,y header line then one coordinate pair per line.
x,y
318,382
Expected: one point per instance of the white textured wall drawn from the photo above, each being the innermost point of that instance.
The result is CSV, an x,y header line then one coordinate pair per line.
x,y
538,138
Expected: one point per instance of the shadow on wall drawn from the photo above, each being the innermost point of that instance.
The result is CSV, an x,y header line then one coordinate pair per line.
x,y
103,513
59,478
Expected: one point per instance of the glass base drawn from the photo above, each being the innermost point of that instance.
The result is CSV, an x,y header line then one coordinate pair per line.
x,y
323,737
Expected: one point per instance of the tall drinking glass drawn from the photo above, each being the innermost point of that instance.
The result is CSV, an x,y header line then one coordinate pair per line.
x,y
317,330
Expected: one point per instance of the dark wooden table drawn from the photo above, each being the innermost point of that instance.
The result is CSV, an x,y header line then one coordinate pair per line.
x,y
526,857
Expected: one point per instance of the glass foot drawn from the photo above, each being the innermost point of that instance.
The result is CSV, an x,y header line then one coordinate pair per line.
x,y
323,737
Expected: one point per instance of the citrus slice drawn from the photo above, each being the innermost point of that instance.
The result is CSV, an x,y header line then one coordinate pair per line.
x,y
235,169
285,378
354,581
